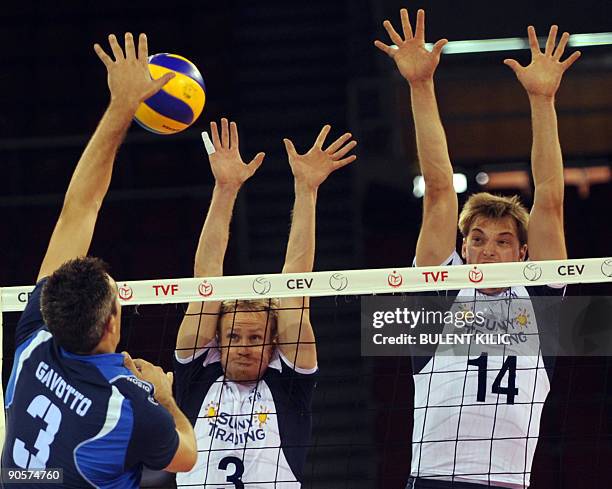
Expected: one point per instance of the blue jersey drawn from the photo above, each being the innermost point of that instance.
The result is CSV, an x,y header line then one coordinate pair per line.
x,y
85,414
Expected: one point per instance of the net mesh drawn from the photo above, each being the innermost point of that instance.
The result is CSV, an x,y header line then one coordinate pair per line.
x,y
363,409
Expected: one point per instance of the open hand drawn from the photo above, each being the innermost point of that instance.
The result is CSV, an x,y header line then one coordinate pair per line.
x,y
414,62
542,76
226,163
313,167
129,79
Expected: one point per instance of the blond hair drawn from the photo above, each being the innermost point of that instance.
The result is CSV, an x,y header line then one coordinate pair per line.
x,y
484,204
270,306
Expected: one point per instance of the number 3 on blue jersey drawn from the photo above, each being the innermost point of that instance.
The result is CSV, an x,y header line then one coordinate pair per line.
x,y
40,407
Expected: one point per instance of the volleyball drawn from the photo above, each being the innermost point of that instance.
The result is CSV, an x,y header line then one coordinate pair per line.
x,y
179,103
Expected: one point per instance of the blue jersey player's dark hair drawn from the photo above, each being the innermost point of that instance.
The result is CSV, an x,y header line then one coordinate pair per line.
x,y
76,303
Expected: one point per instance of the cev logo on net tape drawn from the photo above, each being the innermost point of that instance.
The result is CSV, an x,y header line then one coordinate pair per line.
x,y
372,281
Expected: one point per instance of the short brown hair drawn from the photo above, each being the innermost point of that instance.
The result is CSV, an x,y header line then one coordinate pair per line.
x,y
271,306
484,204
77,301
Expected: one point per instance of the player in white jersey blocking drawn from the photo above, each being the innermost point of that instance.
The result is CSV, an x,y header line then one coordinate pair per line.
x,y
245,370
477,417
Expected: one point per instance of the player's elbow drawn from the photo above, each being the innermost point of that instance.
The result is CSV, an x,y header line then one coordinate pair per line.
x,y
550,200
184,460
77,208
549,194
188,461
187,452
439,185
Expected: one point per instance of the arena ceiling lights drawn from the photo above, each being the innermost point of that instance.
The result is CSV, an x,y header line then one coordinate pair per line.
x,y
460,184
518,43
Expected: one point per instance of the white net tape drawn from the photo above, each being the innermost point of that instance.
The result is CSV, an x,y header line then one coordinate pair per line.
x,y
348,282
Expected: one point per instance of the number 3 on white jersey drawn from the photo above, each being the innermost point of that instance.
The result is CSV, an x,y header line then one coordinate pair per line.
x,y
40,407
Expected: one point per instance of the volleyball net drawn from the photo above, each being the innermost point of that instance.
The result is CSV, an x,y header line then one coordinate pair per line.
x,y
418,372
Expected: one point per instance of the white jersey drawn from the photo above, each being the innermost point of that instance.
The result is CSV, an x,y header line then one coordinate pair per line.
x,y
252,435
477,414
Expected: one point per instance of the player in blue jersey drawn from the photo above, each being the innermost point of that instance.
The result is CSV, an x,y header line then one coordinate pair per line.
x,y
71,403
245,370
475,426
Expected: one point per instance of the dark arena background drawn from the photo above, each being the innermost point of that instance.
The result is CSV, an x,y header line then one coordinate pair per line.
x,y
283,69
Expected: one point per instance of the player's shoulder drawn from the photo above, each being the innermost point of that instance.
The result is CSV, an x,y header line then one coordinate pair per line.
x,y
133,388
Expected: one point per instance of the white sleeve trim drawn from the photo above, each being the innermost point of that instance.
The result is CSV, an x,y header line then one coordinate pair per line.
x,y
303,371
556,286
196,354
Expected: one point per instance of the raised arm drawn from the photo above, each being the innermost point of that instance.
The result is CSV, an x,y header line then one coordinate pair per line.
x,y
199,324
296,338
541,79
130,83
438,235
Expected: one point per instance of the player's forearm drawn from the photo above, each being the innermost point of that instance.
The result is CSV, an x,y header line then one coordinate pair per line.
x,y
546,157
92,175
180,420
215,233
301,244
431,141
184,428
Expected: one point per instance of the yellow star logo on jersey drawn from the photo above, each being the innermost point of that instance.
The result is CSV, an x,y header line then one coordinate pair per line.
x,y
522,318
462,311
211,411
262,416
